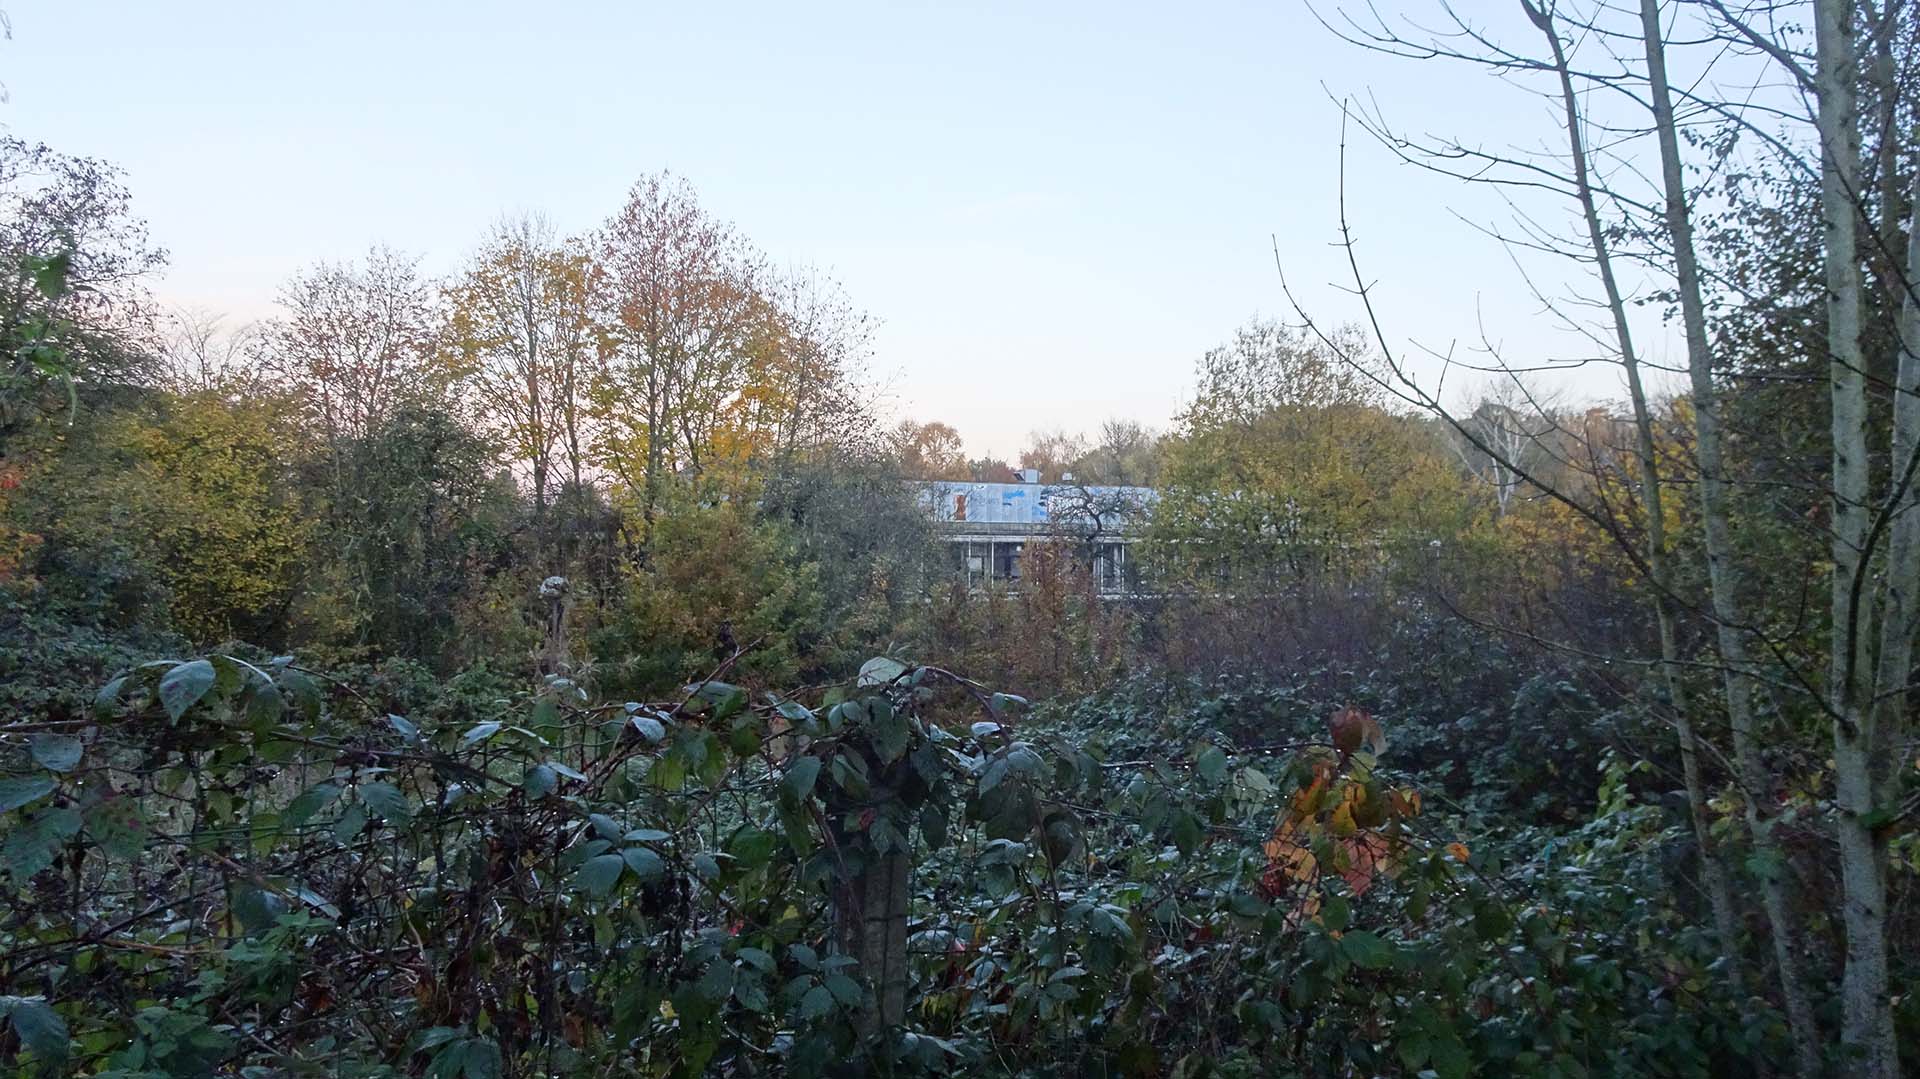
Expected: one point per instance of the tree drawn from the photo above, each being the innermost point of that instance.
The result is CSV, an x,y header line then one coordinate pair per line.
x,y
929,451
405,547
522,341
1301,458
354,342
682,314
1052,453
73,260
199,353
1518,428
801,397
1126,454
1810,192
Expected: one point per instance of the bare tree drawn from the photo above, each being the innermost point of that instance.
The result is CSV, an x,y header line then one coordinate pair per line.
x,y
1871,535
354,342
200,353
520,338
1516,423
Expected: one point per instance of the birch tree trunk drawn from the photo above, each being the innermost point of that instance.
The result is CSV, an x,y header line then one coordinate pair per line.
x,y
1867,1031
1723,578
1712,866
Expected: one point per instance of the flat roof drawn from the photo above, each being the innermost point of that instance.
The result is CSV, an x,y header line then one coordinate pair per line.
x,y
1033,505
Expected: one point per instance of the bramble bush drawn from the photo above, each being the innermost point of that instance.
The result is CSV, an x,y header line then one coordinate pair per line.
x,y
256,868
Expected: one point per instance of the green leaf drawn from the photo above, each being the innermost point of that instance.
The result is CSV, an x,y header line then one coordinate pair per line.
x,y
1450,1059
844,989
16,791
996,771
480,732
880,671
797,784
50,273
752,847
817,1002
308,802
450,1060
1336,913
386,800
725,698
888,730
1188,833
407,728
108,697
1007,704
540,781
744,737
1247,905
350,824
849,772
546,714
933,826
183,686
38,1026
646,864
1365,949
482,1060
257,909
118,826
1212,764
650,728
433,1037
717,983
600,874
306,695
265,705
31,847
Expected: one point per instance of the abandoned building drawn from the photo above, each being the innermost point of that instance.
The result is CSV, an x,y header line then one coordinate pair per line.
x,y
986,526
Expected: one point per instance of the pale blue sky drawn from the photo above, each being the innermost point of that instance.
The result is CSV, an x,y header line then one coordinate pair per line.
x,y
1052,209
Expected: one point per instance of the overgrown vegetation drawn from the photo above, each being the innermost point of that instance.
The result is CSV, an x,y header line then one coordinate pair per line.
x,y
554,670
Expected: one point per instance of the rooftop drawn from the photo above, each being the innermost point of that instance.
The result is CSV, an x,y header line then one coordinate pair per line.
x,y
1034,505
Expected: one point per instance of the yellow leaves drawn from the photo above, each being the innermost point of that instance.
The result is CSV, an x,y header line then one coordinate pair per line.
x,y
1404,802
1339,820
1290,858
1307,801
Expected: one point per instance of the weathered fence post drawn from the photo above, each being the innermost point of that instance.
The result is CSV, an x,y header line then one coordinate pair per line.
x,y
870,912
870,917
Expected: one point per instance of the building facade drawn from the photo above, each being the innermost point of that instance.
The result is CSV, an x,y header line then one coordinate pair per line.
x,y
986,527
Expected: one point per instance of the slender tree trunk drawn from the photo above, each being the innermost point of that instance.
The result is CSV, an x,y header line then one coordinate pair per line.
x,y
1900,620
1867,1032
1712,867
1723,579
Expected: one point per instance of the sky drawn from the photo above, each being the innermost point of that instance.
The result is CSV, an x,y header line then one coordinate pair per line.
x,y
1051,210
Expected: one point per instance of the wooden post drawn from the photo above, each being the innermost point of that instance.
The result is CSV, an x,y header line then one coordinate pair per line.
x,y
870,906
870,919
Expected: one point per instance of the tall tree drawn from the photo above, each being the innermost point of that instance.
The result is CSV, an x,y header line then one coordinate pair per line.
x,y
354,341
681,316
521,339
73,261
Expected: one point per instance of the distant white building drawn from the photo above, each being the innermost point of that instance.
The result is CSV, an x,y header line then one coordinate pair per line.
x,y
987,526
